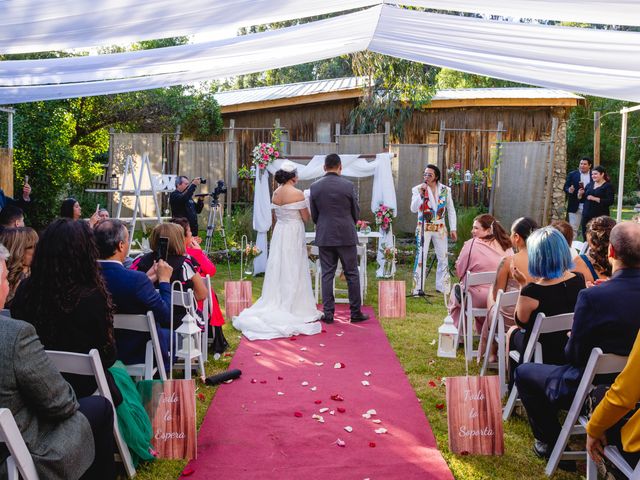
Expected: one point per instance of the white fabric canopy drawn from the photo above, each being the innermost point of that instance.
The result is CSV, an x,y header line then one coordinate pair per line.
x,y
597,62
615,12
352,166
43,25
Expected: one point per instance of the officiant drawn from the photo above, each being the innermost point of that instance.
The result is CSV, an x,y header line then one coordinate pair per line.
x,y
433,202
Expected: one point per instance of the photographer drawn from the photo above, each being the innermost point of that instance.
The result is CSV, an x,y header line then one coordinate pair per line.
x,y
182,204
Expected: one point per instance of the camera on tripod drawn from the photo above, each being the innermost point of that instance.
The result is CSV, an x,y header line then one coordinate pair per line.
x,y
220,188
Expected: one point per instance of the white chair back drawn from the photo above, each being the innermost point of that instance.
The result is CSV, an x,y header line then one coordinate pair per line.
x,y
497,335
533,351
89,364
468,312
19,463
599,364
180,298
207,309
143,323
614,456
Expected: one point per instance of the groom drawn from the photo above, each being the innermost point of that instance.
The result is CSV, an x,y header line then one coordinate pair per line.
x,y
335,211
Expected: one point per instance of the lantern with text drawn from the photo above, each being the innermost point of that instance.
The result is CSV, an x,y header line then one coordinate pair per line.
x,y
447,338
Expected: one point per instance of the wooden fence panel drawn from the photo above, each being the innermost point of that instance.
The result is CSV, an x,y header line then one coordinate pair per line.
x,y
6,171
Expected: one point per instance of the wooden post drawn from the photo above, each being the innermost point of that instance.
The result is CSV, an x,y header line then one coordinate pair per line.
x,y
549,183
231,164
596,139
6,159
387,134
337,138
441,147
494,170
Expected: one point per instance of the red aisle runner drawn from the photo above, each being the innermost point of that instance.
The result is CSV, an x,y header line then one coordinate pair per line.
x,y
253,429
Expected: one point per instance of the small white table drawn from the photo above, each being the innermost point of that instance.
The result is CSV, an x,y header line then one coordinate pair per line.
x,y
363,239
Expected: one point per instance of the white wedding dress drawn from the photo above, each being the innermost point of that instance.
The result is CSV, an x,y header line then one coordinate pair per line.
x,y
287,306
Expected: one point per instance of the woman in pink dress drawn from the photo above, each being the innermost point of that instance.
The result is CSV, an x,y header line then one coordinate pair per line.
x,y
488,245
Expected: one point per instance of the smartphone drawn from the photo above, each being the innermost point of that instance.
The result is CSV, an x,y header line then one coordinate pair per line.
x,y
163,249
580,185
97,208
26,179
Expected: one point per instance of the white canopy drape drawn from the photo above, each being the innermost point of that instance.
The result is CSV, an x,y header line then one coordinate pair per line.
x,y
352,166
597,62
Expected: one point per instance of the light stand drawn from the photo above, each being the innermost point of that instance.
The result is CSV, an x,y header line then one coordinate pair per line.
x,y
215,217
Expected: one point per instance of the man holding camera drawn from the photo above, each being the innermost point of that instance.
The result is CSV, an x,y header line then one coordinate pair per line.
x,y
576,180
182,204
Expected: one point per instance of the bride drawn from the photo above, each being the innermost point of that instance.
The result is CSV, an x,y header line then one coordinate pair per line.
x,y
287,305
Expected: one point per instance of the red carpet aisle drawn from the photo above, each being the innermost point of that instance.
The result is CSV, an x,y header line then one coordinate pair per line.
x,y
261,426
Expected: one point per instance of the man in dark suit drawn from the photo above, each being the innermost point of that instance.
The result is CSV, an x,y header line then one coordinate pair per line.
x,y
577,179
335,211
67,438
182,204
133,291
606,316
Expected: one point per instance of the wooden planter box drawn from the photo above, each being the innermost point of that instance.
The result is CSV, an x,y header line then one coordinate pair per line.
x,y
237,297
392,302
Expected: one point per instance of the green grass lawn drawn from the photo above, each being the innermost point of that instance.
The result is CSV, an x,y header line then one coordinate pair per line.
x,y
412,339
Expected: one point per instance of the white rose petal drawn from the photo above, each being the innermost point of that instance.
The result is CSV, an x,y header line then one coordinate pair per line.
x,y
313,389
304,384
322,410
303,349
366,415
332,412
318,364
337,365
367,374
380,430
322,344
301,360
257,354
339,334
319,418
340,442
432,342
280,393
365,383
348,429
372,412
377,420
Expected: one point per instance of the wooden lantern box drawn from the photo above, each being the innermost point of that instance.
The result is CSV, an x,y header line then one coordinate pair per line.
x,y
392,302
237,297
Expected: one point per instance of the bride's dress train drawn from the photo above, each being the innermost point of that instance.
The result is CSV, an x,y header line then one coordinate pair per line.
x,y
287,306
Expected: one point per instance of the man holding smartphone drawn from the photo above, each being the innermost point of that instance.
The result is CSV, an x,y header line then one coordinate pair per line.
x,y
576,180
22,202
182,204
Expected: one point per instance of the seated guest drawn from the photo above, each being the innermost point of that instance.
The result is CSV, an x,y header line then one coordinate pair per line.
x,y
607,424
205,267
11,217
488,245
594,265
70,208
554,291
184,267
67,438
133,292
103,214
605,317
520,231
21,243
66,299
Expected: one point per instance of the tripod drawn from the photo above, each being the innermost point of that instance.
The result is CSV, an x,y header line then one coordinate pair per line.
x,y
215,218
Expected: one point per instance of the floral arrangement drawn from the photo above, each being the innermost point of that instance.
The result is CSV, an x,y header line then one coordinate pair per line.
x,y
384,217
455,174
245,173
251,251
264,154
389,252
362,226
479,177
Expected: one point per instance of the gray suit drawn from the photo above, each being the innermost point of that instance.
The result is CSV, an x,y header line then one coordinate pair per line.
x,y
43,404
335,211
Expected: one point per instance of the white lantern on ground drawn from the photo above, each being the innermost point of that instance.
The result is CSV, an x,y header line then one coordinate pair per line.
x,y
447,338
190,335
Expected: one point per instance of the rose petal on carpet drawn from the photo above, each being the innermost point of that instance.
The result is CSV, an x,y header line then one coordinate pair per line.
x,y
297,412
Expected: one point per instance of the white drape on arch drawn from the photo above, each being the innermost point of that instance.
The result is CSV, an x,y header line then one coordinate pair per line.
x,y
352,166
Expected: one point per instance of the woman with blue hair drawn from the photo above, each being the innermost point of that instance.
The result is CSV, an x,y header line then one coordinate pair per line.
x,y
554,292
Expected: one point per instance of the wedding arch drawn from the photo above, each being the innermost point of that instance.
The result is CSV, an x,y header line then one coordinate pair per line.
x,y
352,166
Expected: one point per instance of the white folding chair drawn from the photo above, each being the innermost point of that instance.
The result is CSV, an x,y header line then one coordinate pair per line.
x,y
579,247
180,298
143,323
497,335
89,364
542,324
599,364
468,312
207,309
19,462
614,456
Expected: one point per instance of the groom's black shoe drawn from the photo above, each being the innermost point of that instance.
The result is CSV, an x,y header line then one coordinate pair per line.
x,y
359,317
327,318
